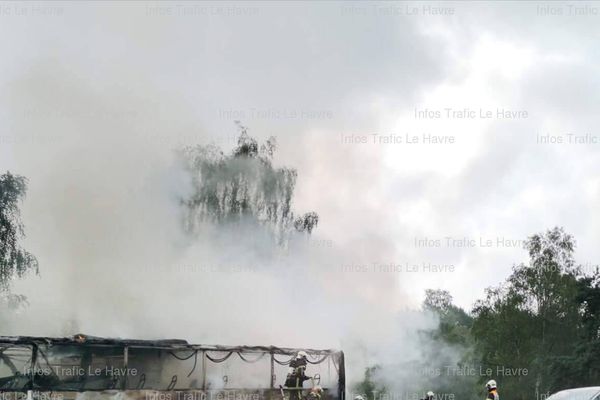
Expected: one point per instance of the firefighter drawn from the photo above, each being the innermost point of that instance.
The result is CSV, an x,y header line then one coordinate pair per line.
x,y
492,389
297,375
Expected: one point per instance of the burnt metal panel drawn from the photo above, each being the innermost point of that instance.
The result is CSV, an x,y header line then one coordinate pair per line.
x,y
167,365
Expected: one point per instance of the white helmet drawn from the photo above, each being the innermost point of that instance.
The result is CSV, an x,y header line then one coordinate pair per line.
x,y
359,397
430,394
301,354
491,384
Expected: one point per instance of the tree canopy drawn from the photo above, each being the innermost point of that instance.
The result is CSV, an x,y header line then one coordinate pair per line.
x,y
536,333
14,260
242,185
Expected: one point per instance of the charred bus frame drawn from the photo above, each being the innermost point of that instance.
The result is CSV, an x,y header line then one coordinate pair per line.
x,y
36,347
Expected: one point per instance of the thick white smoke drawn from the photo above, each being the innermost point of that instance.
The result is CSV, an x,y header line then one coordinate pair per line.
x,y
104,219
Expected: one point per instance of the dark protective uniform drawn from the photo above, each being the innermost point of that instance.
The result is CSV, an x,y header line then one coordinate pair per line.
x,y
296,377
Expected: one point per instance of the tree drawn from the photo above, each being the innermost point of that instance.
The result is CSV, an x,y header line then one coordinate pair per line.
x,y
15,261
438,301
455,324
536,333
582,366
530,321
369,387
449,347
242,186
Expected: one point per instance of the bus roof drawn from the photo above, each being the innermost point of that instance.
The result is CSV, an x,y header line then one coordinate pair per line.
x,y
169,344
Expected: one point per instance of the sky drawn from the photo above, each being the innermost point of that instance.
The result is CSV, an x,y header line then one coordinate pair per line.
x,y
432,138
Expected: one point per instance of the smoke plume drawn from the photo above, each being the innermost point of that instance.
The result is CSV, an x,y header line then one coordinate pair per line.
x,y
104,216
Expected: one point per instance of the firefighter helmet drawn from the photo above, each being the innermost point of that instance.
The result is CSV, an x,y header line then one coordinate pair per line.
x,y
301,354
491,384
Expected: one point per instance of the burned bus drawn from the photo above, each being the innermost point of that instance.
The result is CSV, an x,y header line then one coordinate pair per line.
x,y
72,367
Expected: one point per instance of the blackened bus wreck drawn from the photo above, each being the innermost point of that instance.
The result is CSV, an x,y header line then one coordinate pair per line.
x,y
144,369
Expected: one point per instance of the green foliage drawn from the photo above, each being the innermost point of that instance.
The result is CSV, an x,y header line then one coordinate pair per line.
x,y
369,387
243,185
544,319
438,301
582,366
15,262
532,320
449,347
455,323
